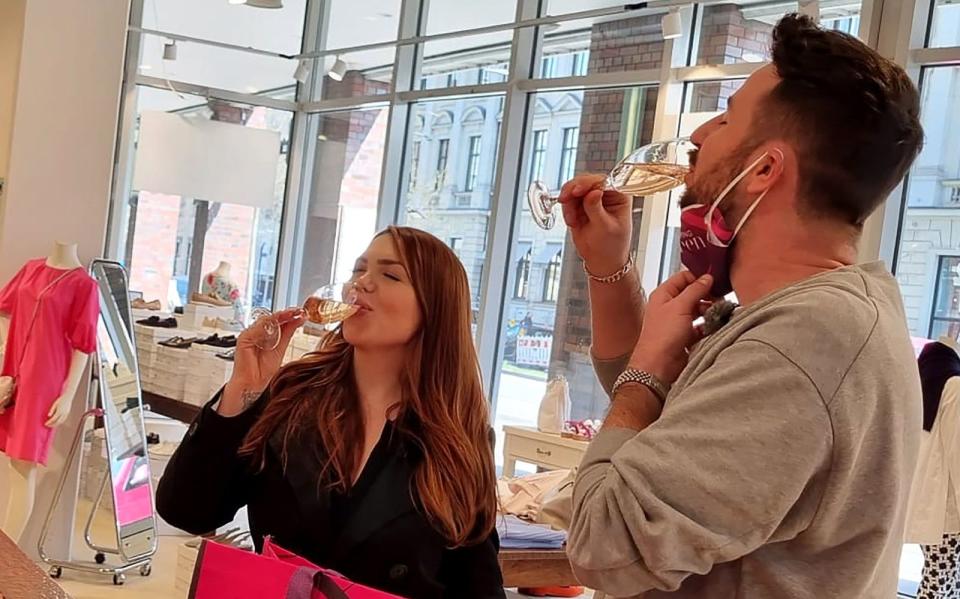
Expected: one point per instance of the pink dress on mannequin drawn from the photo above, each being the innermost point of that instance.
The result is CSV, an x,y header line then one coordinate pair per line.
x,y
66,321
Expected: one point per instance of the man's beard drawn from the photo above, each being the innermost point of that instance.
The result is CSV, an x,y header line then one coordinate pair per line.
x,y
707,186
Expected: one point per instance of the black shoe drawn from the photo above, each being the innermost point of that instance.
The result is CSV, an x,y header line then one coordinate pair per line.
x,y
153,321
178,342
167,323
216,340
211,340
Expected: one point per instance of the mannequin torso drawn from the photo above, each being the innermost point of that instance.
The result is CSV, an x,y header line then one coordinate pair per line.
x,y
218,284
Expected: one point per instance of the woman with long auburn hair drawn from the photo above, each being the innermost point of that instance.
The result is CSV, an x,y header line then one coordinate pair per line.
x,y
371,456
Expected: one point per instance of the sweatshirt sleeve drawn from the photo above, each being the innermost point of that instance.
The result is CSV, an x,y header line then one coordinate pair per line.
x,y
713,479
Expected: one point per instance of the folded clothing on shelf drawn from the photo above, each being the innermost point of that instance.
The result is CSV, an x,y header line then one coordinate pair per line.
x,y
582,430
518,534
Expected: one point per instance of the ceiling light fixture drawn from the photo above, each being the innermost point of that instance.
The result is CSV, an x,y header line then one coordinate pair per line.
x,y
265,3
338,70
671,25
236,1
170,50
302,71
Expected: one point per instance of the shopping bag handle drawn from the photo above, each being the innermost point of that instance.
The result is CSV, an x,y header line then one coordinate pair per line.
x,y
325,584
306,583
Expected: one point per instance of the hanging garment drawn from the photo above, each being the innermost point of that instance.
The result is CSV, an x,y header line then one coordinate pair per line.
x,y
941,578
40,343
937,363
933,510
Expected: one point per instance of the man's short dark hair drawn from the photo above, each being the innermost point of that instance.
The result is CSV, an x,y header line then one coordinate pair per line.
x,y
853,115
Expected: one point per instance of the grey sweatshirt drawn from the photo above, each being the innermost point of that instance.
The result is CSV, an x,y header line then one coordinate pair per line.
x,y
781,464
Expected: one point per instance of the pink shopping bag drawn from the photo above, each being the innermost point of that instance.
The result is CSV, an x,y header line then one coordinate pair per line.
x,y
224,572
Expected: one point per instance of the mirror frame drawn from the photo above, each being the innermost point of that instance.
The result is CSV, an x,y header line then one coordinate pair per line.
x,y
136,539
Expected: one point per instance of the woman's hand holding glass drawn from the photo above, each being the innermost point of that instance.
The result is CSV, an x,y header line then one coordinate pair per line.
x,y
253,366
262,345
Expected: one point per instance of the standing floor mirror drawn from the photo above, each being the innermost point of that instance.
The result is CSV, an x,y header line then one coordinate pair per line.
x,y
115,391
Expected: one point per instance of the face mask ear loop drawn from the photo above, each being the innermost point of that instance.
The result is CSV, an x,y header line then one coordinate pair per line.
x,y
750,210
756,202
708,218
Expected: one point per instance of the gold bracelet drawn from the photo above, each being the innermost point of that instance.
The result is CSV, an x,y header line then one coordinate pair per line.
x,y
617,276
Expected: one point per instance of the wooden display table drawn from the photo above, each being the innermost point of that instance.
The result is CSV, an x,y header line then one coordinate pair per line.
x,y
549,451
20,578
536,568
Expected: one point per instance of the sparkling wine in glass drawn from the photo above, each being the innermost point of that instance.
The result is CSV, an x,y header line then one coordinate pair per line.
x,y
328,305
655,167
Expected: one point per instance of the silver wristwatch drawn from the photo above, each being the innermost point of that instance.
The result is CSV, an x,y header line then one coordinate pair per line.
x,y
632,375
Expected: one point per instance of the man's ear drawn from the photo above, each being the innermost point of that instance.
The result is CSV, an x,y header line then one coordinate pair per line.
x,y
767,171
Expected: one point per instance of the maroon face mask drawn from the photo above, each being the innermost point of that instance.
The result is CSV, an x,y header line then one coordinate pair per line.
x,y
699,254
705,237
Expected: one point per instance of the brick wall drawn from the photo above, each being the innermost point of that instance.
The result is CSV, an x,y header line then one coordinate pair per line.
x,y
155,241
229,239
726,37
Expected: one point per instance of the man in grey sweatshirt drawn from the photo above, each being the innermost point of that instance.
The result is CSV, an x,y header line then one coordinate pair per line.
x,y
772,458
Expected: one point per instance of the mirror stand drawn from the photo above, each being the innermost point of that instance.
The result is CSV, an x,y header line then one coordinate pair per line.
x,y
99,565
114,396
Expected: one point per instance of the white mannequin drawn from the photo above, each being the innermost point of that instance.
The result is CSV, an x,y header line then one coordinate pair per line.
x,y
23,474
224,270
950,342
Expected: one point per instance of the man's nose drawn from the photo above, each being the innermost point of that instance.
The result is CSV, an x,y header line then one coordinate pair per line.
x,y
703,131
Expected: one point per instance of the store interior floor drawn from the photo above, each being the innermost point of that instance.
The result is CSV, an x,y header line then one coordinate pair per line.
x,y
159,585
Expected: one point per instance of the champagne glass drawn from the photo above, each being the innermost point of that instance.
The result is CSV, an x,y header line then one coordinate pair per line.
x,y
655,167
328,305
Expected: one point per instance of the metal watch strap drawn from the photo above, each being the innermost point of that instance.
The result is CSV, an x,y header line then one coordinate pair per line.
x,y
632,375
613,278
